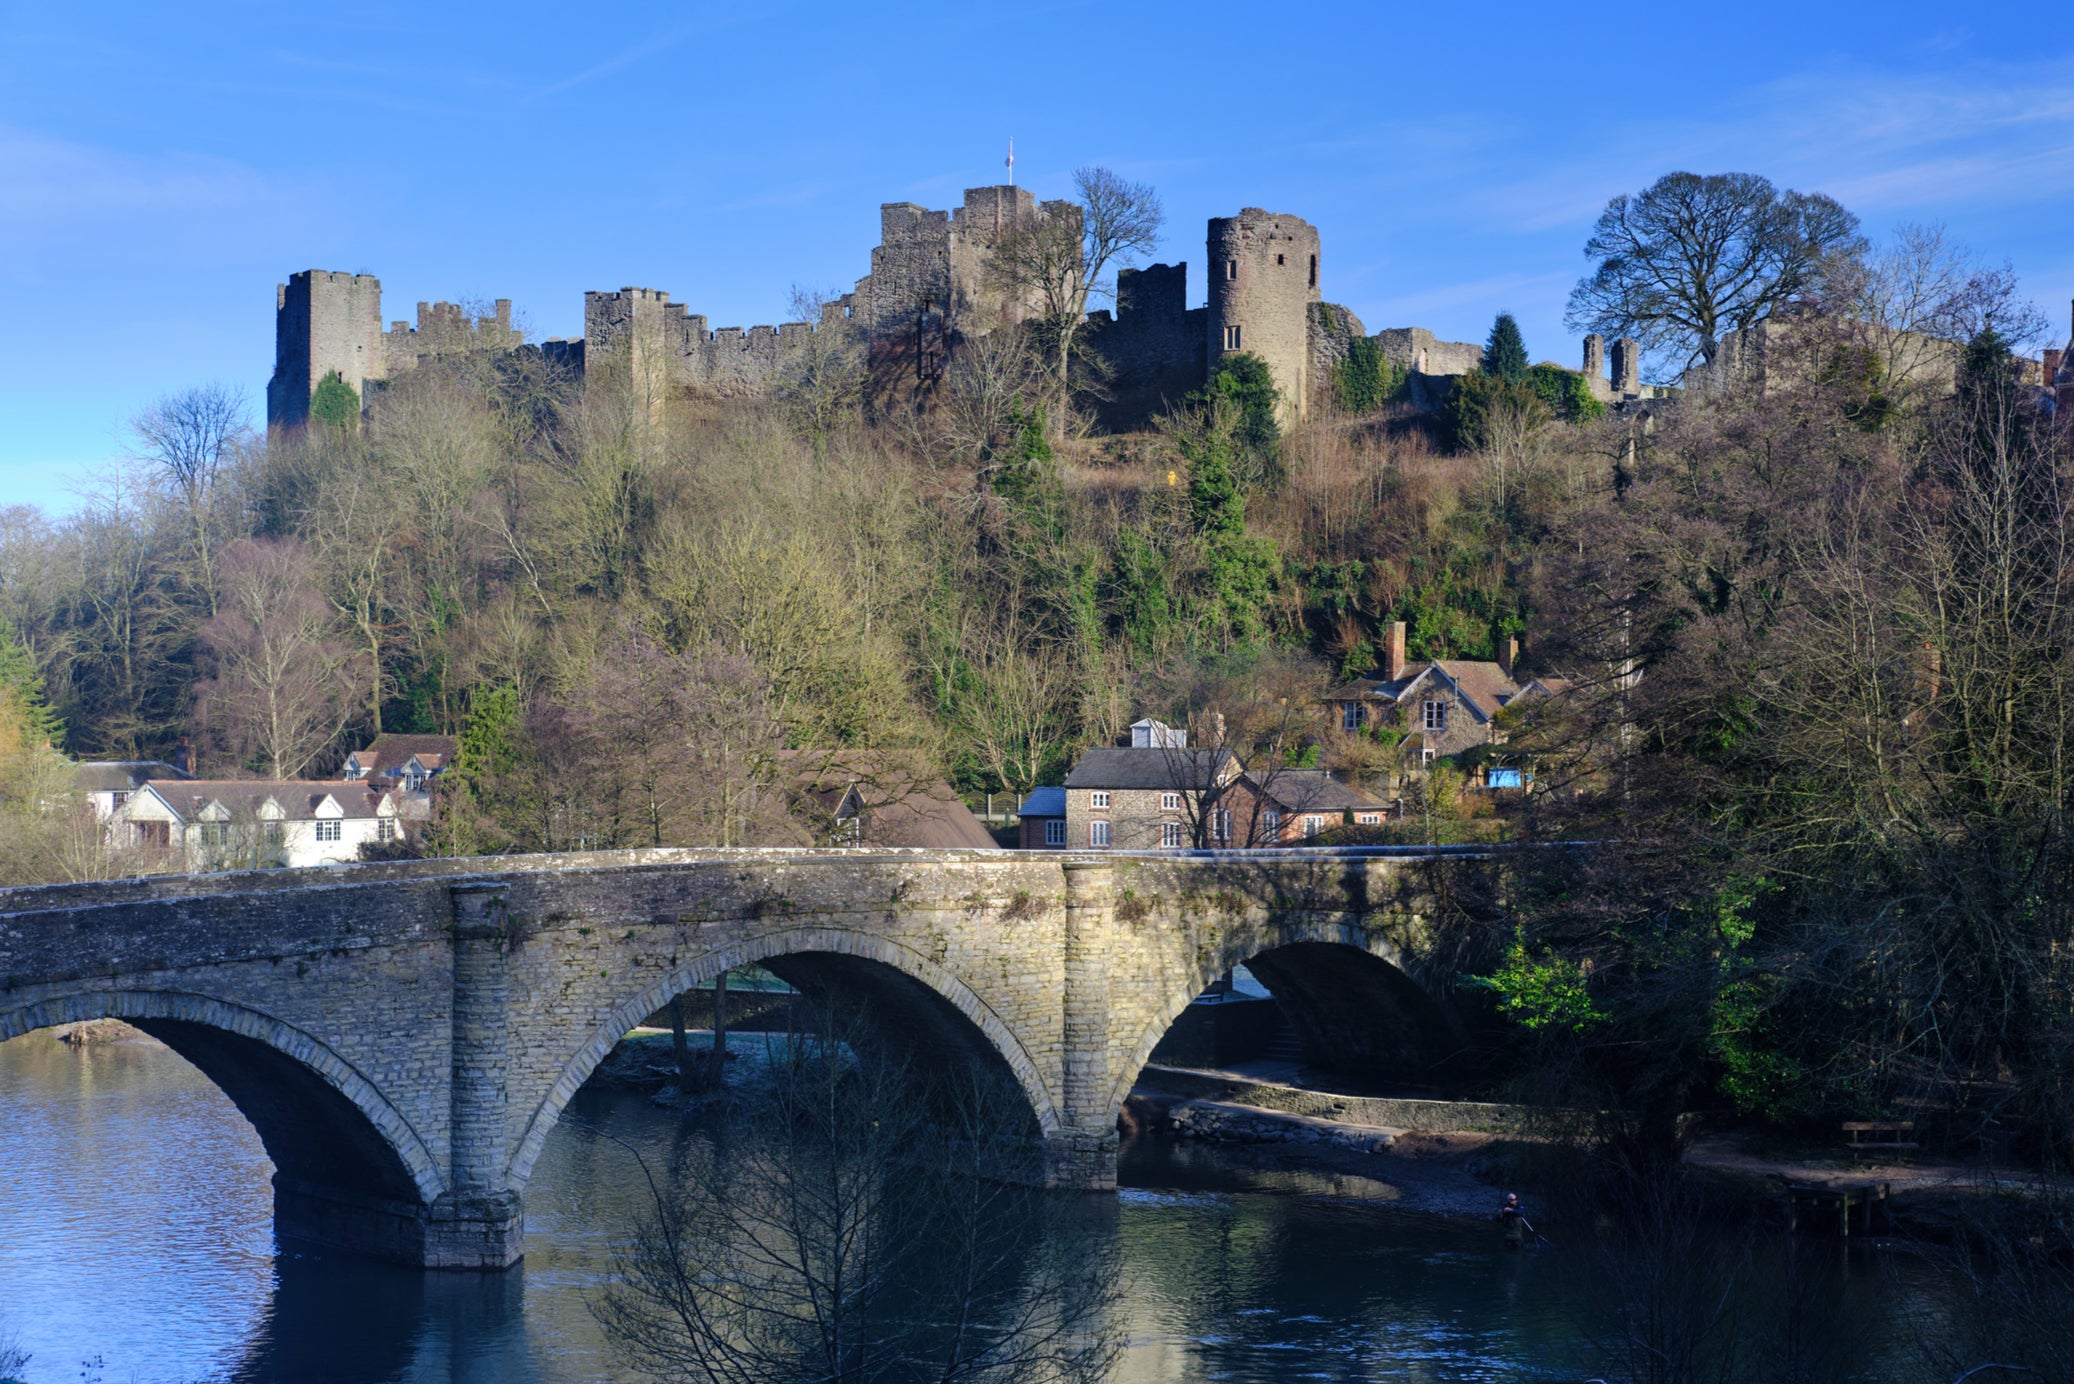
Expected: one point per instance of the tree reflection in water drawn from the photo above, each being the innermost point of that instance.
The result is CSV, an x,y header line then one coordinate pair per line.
x,y
863,1220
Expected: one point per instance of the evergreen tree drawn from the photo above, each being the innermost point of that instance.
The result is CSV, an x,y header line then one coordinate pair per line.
x,y
21,691
334,401
1505,354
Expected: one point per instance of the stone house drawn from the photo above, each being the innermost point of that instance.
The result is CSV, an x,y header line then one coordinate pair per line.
x,y
1442,707
1156,793
231,824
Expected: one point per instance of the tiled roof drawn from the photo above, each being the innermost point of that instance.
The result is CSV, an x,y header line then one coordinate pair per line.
x,y
386,752
903,804
1166,770
1482,683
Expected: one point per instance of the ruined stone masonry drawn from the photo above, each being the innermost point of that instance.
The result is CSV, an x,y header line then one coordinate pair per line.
x,y
404,1036
929,287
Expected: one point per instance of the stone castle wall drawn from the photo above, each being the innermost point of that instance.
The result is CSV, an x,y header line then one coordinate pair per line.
x,y
929,287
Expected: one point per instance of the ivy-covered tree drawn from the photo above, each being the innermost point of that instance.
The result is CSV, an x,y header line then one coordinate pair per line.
x,y
336,403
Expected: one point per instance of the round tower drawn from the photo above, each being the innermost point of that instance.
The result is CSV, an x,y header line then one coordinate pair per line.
x,y
1263,280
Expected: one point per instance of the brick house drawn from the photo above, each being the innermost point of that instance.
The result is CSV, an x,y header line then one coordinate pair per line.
x,y
1154,794
1289,807
240,824
1043,820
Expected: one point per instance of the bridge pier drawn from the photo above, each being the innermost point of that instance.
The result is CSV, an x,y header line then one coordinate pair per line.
x,y
1082,1152
481,1232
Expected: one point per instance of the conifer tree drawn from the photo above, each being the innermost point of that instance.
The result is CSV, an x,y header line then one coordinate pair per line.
x,y
1505,354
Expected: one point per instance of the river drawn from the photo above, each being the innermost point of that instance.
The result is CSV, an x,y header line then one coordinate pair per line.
x,y
136,1245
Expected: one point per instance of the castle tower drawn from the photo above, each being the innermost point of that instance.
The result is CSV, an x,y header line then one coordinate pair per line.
x,y
1263,279
324,321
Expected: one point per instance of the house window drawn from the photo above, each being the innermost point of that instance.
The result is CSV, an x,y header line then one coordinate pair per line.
x,y
1350,716
156,834
1426,756
1231,270
1055,832
385,830
1170,835
330,831
1367,819
1435,715
273,835
1170,802
1220,824
1231,338
1312,826
1098,800
117,799
1098,833
1271,822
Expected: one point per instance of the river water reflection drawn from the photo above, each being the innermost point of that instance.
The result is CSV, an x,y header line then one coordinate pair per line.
x,y
135,1226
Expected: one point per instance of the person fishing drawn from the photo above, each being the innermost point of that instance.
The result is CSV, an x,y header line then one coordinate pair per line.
x,y
1514,1222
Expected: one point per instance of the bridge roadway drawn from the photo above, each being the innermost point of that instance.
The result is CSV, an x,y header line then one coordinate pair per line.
x,y
403,1036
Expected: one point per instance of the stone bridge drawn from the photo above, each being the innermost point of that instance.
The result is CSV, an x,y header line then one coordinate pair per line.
x,y
404,1036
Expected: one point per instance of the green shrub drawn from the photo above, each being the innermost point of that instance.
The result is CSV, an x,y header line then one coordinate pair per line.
x,y
1366,380
335,402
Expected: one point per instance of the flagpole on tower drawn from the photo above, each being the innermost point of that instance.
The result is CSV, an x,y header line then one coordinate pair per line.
x,y
1011,160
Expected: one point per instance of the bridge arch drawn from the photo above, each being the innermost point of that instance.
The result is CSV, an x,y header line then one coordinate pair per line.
x,y
329,1132
817,957
1338,981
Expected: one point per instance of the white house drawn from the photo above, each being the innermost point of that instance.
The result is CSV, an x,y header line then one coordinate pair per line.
x,y
108,784
237,824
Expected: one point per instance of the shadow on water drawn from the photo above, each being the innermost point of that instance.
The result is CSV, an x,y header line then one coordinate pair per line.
x,y
134,1224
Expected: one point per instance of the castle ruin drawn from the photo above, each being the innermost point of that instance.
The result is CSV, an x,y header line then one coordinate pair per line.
x,y
931,284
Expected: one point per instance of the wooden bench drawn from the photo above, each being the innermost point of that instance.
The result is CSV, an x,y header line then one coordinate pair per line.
x,y
1880,1134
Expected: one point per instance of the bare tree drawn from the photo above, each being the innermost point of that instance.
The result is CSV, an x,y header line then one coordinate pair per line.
x,y
823,377
1017,718
189,438
1064,257
1690,259
282,690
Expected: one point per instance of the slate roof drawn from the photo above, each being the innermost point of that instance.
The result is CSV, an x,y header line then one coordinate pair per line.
x,y
1165,770
1044,802
1483,684
1313,790
298,799
121,775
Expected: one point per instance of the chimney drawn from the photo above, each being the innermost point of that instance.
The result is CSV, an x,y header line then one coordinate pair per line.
x,y
2052,365
1393,651
1508,653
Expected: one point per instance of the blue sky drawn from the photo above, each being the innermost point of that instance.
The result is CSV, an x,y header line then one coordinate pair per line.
x,y
163,167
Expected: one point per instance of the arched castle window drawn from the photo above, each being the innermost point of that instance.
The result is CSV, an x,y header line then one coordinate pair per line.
x,y
1314,271
1231,269
1231,338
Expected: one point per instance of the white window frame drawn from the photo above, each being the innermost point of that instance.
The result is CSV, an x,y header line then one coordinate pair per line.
x,y
1171,836
1221,824
1099,800
1312,826
1055,831
331,829
1098,834
1170,802
385,829
1433,716
1350,716
1271,823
